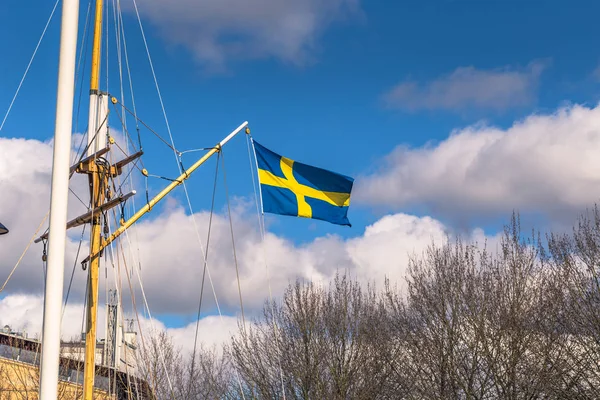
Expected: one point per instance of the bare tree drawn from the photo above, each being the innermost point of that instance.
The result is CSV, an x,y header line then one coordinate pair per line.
x,y
577,257
159,363
477,324
437,326
519,339
206,375
173,375
317,344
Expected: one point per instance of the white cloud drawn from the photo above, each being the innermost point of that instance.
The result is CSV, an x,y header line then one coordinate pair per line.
x,y
24,313
545,164
213,332
466,87
218,30
172,262
383,249
25,177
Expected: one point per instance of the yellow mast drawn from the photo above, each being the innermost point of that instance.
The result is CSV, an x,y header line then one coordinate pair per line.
x,y
94,255
97,176
96,51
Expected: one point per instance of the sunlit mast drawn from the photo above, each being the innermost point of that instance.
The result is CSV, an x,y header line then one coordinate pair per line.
x,y
98,176
58,202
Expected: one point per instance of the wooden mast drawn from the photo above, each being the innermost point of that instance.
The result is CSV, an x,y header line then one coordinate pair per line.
x,y
98,179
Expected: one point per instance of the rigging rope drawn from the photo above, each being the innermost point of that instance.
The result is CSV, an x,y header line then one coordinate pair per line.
x,y
105,217
154,76
77,197
124,125
24,252
210,218
73,272
77,73
235,259
118,283
261,223
120,35
82,50
122,30
130,80
28,65
162,357
126,153
170,145
134,304
9,110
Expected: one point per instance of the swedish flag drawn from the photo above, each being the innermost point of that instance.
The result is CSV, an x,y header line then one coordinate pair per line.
x,y
293,188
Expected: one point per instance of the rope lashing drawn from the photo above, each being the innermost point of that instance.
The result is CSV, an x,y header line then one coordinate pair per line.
x,y
44,251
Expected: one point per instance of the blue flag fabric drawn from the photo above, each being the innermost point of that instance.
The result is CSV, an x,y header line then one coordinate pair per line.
x,y
292,188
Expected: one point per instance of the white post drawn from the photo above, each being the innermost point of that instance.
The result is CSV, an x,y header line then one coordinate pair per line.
x,y
97,123
58,202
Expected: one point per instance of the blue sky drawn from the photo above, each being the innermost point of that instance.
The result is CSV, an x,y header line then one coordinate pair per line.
x,y
340,85
328,110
